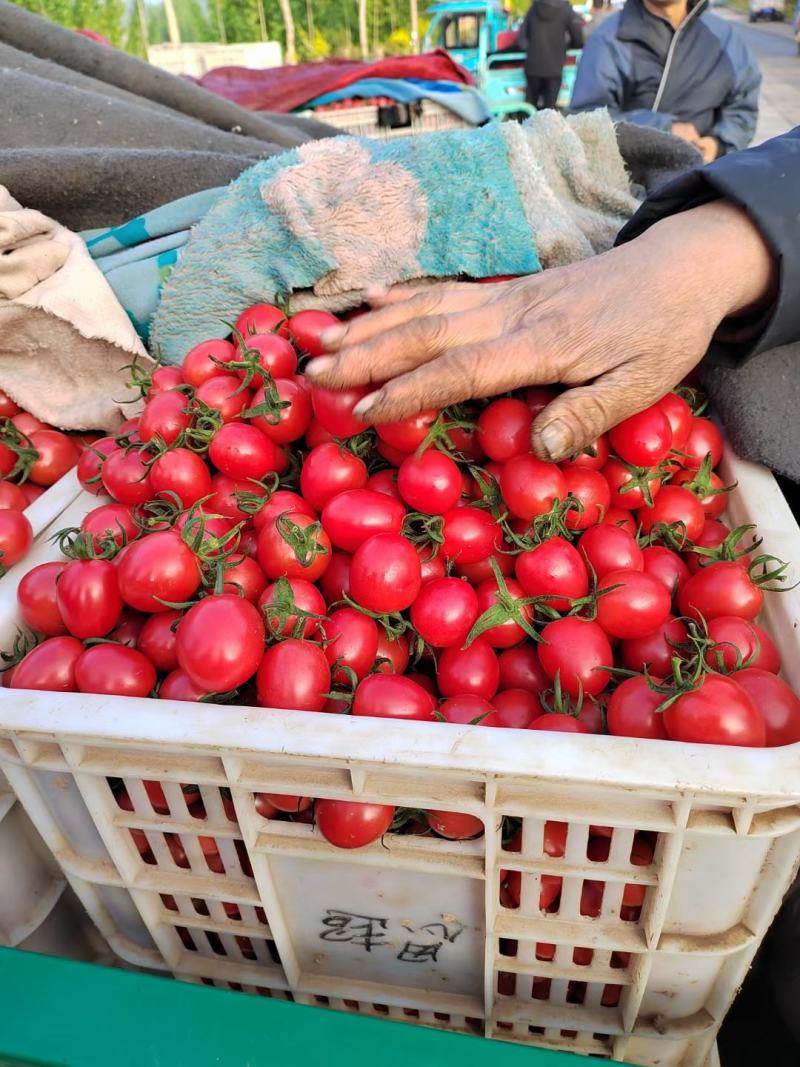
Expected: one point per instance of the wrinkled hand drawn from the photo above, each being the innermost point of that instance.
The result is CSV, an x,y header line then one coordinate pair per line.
x,y
709,148
630,323
687,131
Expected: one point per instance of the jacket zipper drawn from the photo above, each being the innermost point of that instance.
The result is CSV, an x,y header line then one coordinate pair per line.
x,y
671,52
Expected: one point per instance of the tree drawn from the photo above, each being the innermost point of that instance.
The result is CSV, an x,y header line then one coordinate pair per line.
x,y
288,29
363,39
414,26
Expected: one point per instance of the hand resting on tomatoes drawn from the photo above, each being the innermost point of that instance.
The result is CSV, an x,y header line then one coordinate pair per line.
x,y
619,330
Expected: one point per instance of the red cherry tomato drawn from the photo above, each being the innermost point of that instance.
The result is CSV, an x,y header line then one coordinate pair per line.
x,y
430,483
628,487
328,470
12,498
157,569
158,640
739,643
38,602
407,435
57,454
776,702
91,462
444,611
558,723
202,362
631,710
718,712
110,521
164,418
164,380
261,318
721,589
221,642
294,546
655,650
393,696
674,506
115,670
293,419
590,489
704,439
504,429
244,577
351,517
610,548
454,825
520,669
352,642
631,603
578,650
334,409
680,417
224,394
393,654
667,566
516,708
467,709
178,686
554,566
508,632
469,670
49,666
269,352
282,602
385,574
530,487
347,824
306,329
182,472
126,477
88,597
470,536
16,538
295,675
644,439
335,582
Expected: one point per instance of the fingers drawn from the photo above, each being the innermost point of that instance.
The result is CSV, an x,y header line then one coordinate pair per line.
x,y
399,307
577,417
401,348
462,373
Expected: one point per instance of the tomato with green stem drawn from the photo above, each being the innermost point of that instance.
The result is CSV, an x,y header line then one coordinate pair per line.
x,y
88,597
444,612
50,666
158,571
633,710
655,651
261,318
408,434
531,487
243,452
776,701
553,567
430,483
578,652
126,477
164,418
475,669
203,361
351,642
644,439
295,675
631,603
717,711
294,546
739,643
292,607
330,469
181,472
469,535
385,574
91,462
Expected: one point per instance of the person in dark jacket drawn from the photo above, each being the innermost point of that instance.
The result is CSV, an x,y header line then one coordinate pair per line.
x,y
710,264
669,64
547,31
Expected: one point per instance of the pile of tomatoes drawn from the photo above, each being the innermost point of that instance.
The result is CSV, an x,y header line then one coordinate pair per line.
x,y
264,546
33,456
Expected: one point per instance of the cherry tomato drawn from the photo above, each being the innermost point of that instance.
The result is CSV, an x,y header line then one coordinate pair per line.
x,y
158,568
57,454
221,642
408,434
631,710
335,582
352,642
334,409
158,640
244,577
591,491
467,709
430,483
328,470
293,674
739,643
559,723
179,686
504,429
393,696
644,439
202,362
516,708
261,318
454,825
293,419
507,632
776,702
227,495
110,521
271,353
385,574
530,487
680,417
469,670
470,535
182,472
12,498
242,451
224,394
577,649
721,589
165,418
712,535
294,546
281,603
38,602
674,506
655,650
704,439
627,485
347,824
164,380
631,603
384,482
610,548
88,597
281,502
126,477
284,802
28,424
351,517
91,462
115,670
520,669
8,407
393,654
49,666
127,630
16,537
482,570
444,611
307,327
593,458
621,518
554,566
430,566
712,503
718,712
667,566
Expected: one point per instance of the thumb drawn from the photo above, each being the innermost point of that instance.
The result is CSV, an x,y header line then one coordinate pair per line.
x,y
577,417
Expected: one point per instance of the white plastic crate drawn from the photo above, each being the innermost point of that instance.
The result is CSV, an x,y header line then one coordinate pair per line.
x,y
364,120
412,928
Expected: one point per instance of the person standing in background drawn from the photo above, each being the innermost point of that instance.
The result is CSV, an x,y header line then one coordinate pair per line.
x,y
601,9
547,31
672,65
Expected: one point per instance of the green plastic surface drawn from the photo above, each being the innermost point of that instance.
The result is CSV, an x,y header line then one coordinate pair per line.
x,y
59,1013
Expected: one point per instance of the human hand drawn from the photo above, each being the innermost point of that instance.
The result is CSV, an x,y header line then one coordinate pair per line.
x,y
631,323
709,148
687,131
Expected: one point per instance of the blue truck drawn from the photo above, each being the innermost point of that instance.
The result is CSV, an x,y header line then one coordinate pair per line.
x,y
480,35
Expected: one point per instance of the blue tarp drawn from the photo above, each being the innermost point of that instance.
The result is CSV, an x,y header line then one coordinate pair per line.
x,y
462,100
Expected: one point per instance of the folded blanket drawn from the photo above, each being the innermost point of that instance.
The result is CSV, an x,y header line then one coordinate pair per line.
x,y
462,100
338,216
64,338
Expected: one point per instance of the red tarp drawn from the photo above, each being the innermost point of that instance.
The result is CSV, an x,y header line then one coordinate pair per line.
x,y
287,88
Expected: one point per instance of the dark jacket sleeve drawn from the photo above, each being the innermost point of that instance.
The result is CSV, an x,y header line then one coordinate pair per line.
x,y
765,182
574,30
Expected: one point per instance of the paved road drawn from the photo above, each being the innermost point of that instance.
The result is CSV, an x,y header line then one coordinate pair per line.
x,y
775,48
